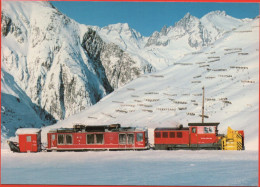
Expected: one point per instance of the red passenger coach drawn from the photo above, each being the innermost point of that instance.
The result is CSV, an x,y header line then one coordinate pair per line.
x,y
196,136
109,137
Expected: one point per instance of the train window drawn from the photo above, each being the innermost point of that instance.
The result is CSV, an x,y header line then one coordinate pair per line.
x,y
139,137
53,137
68,138
165,134
122,138
209,130
193,129
179,134
130,138
60,138
28,138
157,134
172,134
90,138
99,138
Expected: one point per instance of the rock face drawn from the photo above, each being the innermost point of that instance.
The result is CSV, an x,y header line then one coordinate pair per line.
x,y
56,67
117,65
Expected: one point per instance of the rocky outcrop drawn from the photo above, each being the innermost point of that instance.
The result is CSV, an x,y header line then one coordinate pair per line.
x,y
114,63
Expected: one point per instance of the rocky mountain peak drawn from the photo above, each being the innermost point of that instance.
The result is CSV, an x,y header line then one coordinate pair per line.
x,y
217,13
164,30
187,22
118,27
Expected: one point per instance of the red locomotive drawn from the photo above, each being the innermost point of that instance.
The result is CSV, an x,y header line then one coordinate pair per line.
x,y
196,136
108,137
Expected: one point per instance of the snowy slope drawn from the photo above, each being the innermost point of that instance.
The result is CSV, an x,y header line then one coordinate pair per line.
x,y
229,71
17,110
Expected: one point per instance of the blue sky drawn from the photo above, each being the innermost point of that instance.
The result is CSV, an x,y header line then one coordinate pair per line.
x,y
147,17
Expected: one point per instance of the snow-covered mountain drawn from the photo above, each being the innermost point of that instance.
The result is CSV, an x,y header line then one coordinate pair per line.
x,y
197,32
229,71
62,67
54,67
188,35
164,48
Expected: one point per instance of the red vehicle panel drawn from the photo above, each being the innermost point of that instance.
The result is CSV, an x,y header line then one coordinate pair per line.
x,y
97,138
203,135
197,135
29,140
169,136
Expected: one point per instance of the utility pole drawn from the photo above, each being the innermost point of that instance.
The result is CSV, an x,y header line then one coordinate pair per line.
x,y
203,104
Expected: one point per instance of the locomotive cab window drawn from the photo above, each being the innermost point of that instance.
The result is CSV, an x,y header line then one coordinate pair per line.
x,y
209,130
60,139
179,134
90,139
99,138
122,138
193,129
139,137
28,138
68,138
53,136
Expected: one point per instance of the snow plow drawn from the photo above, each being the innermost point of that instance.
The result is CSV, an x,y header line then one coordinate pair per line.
x,y
234,140
14,146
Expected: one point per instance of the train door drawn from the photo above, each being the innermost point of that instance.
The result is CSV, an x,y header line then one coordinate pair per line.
x,y
122,140
29,144
53,140
126,140
130,140
140,139
193,137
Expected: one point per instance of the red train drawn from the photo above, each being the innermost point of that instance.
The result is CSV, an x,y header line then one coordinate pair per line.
x,y
115,137
111,137
196,136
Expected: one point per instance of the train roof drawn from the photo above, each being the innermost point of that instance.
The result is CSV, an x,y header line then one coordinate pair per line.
x,y
171,129
203,124
99,128
27,131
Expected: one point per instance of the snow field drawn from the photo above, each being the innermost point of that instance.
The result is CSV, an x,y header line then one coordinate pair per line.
x,y
150,167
